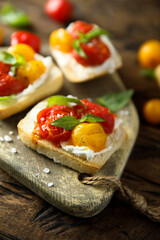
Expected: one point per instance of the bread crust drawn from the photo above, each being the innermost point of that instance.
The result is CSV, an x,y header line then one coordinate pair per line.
x,y
52,84
59,155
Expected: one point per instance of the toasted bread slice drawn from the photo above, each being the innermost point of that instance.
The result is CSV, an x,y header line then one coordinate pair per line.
x,y
21,101
76,72
59,155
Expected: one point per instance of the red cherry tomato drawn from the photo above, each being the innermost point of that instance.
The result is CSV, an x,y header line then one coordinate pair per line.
x,y
100,111
97,52
4,68
60,10
27,38
9,85
53,133
81,26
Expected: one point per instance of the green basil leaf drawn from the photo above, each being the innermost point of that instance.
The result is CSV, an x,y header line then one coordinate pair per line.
x,y
91,118
69,122
13,16
85,38
115,101
7,58
82,37
21,59
66,122
62,100
13,69
148,73
4,98
96,32
78,49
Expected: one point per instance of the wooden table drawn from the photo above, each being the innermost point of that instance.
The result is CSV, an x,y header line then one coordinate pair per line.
x,y
23,215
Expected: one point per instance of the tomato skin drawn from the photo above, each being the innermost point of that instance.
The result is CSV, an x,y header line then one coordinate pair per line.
x,y
4,68
60,10
27,38
97,52
91,135
81,26
149,54
10,85
61,40
44,119
151,111
103,112
30,71
25,50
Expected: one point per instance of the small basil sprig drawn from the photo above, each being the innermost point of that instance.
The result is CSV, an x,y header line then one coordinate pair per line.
x,y
91,118
62,100
85,38
69,122
8,58
13,16
115,101
148,73
4,98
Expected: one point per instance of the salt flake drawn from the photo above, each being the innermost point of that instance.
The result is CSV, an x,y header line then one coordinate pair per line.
x,y
7,138
50,184
13,150
10,132
46,170
18,137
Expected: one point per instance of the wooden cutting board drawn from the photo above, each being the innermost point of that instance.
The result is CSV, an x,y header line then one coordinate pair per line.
x,y
68,193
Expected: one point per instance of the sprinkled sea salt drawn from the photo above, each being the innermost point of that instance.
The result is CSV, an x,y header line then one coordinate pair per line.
x,y
37,174
1,139
7,138
46,170
50,184
18,137
13,150
10,132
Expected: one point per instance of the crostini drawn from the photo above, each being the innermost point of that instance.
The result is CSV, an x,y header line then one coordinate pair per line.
x,y
79,134
84,51
25,78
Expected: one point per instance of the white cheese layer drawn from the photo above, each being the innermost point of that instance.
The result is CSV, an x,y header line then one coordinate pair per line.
x,y
87,153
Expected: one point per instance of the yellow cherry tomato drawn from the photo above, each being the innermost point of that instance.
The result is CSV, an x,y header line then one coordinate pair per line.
x,y
90,135
61,40
25,50
30,71
1,36
151,111
149,54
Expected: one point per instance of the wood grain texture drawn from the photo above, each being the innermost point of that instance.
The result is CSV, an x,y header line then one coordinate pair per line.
x,y
131,23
